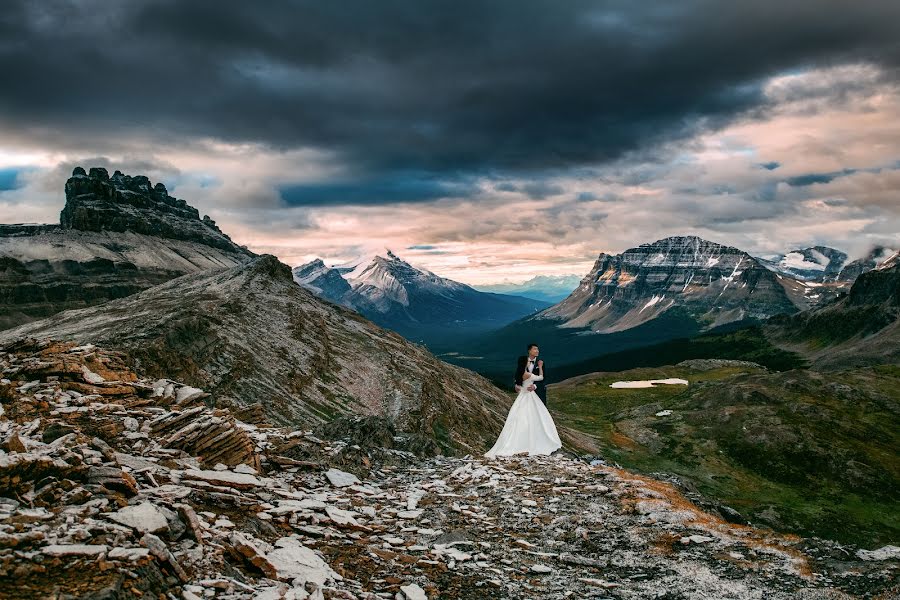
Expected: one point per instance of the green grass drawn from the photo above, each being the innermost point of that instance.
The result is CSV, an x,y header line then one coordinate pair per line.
x,y
805,452
737,343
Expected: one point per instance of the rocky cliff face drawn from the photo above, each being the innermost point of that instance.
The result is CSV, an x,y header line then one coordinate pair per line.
x,y
250,334
98,202
714,284
117,235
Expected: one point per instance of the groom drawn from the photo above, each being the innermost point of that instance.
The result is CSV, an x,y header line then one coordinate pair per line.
x,y
529,363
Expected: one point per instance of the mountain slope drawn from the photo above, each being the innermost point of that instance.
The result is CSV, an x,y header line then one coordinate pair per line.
x,y
250,334
412,301
716,284
859,328
125,493
117,235
800,450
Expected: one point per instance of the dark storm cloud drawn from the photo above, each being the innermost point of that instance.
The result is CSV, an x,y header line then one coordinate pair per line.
x,y
813,178
447,88
392,187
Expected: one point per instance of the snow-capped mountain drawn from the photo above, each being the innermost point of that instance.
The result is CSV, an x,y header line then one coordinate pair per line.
x,y
117,235
713,283
411,300
818,275
550,288
819,263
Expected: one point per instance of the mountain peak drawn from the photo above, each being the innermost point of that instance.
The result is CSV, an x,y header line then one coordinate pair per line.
x,y
267,265
684,241
97,202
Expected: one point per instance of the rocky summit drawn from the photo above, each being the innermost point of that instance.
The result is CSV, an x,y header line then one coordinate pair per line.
x,y
117,236
98,202
113,485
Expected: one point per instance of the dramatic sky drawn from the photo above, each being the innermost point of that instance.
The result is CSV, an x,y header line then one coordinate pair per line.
x,y
484,140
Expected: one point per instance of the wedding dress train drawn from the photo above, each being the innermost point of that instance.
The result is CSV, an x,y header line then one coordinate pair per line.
x,y
528,428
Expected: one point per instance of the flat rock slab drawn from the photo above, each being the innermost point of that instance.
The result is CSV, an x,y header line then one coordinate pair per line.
x,y
292,561
241,481
340,478
144,517
74,549
413,592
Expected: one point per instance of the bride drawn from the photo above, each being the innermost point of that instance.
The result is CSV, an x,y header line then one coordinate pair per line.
x,y
529,426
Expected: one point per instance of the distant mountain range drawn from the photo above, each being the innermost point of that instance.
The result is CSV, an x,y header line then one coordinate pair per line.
x,y
860,328
120,234
548,288
715,284
676,287
412,301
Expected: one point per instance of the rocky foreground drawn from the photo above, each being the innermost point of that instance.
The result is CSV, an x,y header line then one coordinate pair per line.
x,y
115,486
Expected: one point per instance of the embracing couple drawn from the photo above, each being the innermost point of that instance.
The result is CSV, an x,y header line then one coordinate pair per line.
x,y
529,426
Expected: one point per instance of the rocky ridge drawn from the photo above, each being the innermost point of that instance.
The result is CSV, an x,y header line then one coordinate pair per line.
x,y
98,202
118,486
117,235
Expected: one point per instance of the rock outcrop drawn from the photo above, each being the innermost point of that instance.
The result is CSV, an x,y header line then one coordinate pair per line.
x,y
117,235
98,202
93,504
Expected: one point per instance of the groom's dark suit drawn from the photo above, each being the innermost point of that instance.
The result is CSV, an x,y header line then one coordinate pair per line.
x,y
521,367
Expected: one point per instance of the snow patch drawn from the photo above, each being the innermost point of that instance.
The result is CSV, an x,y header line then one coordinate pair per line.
x,y
651,302
645,383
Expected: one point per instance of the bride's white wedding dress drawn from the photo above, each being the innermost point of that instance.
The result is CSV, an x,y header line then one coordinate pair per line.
x,y
528,428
